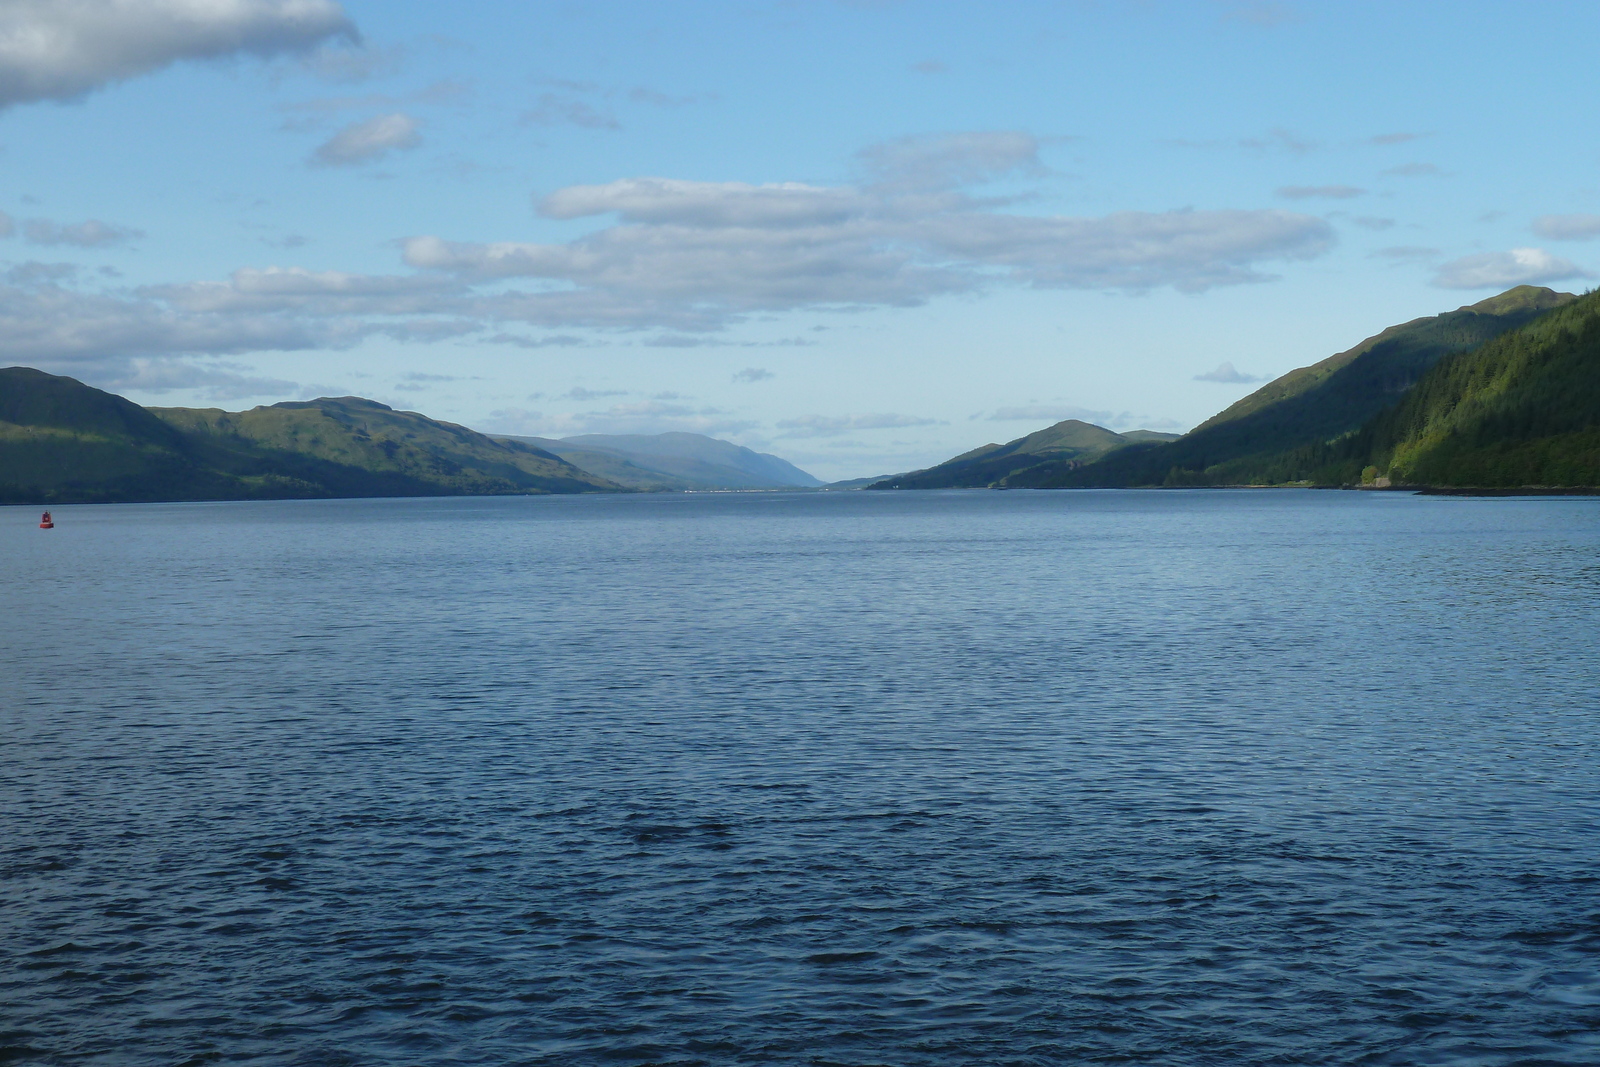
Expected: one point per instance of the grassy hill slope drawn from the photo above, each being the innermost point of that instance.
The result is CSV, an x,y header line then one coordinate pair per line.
x,y
62,441
1066,444
354,443
1270,436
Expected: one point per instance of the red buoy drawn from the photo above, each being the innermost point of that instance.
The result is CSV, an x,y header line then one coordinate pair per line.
x,y
47,523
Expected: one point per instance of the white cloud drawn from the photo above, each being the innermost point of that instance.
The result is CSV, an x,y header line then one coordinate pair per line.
x,y
834,425
695,255
272,290
1500,270
557,341
363,142
1567,227
708,204
1329,192
64,49
754,374
33,273
686,258
90,234
46,323
1226,372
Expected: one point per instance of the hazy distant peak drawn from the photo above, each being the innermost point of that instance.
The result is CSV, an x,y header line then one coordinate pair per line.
x,y
681,460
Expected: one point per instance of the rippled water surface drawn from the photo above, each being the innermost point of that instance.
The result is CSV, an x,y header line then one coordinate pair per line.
x,y
953,778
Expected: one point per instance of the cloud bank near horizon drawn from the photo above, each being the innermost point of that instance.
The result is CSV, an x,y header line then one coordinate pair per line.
x,y
687,257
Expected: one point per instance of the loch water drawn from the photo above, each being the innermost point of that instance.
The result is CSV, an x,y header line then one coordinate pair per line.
x,y
945,778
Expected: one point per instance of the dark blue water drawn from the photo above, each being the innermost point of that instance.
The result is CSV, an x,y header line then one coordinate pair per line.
x,y
1172,778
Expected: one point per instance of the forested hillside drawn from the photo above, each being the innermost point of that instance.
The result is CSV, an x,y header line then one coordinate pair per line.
x,y
1280,433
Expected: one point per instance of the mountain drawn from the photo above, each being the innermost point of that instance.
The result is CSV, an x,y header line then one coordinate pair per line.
x,y
62,441
674,461
1271,436
1064,445
1522,410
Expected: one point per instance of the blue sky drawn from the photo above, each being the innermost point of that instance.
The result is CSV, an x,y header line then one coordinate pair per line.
x,y
863,235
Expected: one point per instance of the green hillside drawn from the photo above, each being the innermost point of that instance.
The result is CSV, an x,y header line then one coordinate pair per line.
x,y
62,441
1273,436
1064,445
353,441
1522,410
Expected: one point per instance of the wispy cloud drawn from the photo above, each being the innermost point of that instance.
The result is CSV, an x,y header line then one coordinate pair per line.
x,y
753,374
1227,373
835,425
695,255
1412,170
592,106
1280,140
553,109
939,162
364,142
680,259
1395,138
579,393
1567,227
89,234
562,340
1327,192
218,381
1497,270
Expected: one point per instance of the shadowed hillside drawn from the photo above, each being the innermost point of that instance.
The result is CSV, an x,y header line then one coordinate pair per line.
x,y
62,441
1067,444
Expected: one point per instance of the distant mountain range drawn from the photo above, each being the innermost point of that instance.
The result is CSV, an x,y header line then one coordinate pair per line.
x,y
1502,393
673,461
